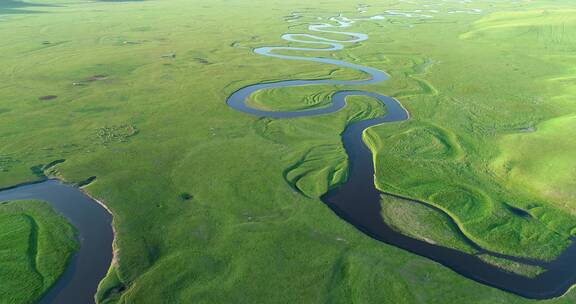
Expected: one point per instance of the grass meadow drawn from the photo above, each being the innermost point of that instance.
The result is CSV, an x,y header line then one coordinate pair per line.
x,y
36,246
212,205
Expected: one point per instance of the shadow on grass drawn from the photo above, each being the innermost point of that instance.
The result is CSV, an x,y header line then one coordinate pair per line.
x,y
10,7
17,7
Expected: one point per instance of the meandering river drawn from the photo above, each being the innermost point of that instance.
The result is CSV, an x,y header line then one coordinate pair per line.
x,y
358,200
89,265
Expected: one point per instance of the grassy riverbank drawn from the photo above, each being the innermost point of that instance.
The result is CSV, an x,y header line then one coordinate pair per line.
x,y
36,246
212,205
482,147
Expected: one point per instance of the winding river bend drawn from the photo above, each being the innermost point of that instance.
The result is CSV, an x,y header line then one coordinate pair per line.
x,y
90,263
358,201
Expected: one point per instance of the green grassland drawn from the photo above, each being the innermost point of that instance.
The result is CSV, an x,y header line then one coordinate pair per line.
x,y
541,161
36,246
515,267
423,223
140,92
467,150
288,99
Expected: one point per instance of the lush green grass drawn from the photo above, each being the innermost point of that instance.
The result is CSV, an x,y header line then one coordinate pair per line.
x,y
323,164
459,152
157,126
519,268
290,99
423,223
36,246
542,161
432,226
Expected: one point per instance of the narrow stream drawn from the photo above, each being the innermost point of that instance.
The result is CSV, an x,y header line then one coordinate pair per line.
x,y
358,201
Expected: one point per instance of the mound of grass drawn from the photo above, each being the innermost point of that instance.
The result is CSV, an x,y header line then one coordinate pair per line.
x,y
542,161
36,246
514,267
118,133
548,27
324,165
291,99
424,223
